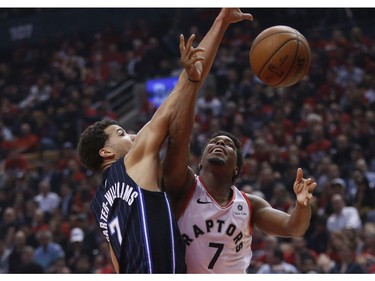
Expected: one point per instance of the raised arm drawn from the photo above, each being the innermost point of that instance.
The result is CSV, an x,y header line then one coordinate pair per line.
x,y
278,223
211,42
177,176
145,151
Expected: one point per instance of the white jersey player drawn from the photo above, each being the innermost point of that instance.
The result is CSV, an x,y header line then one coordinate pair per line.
x,y
207,214
216,219
220,236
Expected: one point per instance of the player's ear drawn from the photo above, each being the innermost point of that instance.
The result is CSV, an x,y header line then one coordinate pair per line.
x,y
105,152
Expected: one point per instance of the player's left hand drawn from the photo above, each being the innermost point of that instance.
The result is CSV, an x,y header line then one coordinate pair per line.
x,y
190,58
303,188
233,15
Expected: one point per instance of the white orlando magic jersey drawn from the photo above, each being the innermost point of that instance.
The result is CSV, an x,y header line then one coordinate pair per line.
x,y
218,239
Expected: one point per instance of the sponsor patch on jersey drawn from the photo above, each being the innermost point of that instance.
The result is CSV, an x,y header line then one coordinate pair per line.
x,y
239,211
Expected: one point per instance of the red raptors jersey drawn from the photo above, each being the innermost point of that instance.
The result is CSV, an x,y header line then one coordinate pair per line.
x,y
218,239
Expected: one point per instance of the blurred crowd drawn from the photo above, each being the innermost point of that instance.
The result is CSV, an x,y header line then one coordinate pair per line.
x,y
325,124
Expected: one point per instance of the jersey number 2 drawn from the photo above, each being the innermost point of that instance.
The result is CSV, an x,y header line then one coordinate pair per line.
x,y
219,248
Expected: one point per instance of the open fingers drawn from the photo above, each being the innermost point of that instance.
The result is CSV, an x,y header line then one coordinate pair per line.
x,y
309,181
299,175
309,196
193,52
190,41
312,186
190,50
189,46
182,43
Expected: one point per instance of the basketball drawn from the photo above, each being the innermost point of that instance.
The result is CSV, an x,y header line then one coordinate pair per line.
x,y
280,56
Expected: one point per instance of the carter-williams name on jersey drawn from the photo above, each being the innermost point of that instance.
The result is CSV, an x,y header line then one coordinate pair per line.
x,y
118,190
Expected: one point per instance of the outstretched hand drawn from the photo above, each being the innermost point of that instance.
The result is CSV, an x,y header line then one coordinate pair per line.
x,y
190,58
232,15
303,188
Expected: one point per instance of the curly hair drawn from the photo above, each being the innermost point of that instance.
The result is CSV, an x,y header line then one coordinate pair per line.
x,y
93,139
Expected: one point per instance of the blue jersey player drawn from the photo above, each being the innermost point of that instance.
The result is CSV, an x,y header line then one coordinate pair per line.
x,y
133,214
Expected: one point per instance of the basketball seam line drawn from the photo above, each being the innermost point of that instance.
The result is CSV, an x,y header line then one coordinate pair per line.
x,y
252,48
270,57
294,60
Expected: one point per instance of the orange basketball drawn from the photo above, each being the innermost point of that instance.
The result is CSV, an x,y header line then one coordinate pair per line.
x,y
280,56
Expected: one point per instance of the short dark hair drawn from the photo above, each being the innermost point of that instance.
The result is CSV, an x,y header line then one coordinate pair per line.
x,y
93,139
237,143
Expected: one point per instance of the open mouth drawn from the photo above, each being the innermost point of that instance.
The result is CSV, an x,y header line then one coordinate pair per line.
x,y
218,149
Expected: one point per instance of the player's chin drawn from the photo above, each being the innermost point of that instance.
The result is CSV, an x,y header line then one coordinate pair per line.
x,y
216,160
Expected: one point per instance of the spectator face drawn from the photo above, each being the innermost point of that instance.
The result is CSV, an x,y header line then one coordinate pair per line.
x,y
25,129
44,238
346,254
271,242
44,187
361,165
20,239
308,264
299,243
27,254
336,189
41,83
337,203
342,142
39,216
9,215
369,235
336,240
83,264
334,171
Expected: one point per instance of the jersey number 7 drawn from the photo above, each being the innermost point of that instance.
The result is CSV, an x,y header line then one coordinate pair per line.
x,y
219,248
114,228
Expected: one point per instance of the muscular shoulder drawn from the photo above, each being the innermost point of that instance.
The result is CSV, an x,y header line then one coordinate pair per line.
x,y
257,202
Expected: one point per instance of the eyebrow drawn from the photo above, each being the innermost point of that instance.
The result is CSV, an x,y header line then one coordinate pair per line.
x,y
223,138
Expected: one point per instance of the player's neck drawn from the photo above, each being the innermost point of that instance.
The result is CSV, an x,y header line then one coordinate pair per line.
x,y
107,164
218,186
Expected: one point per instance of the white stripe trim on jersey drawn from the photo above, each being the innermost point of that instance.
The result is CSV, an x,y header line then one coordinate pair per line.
x,y
172,236
145,229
